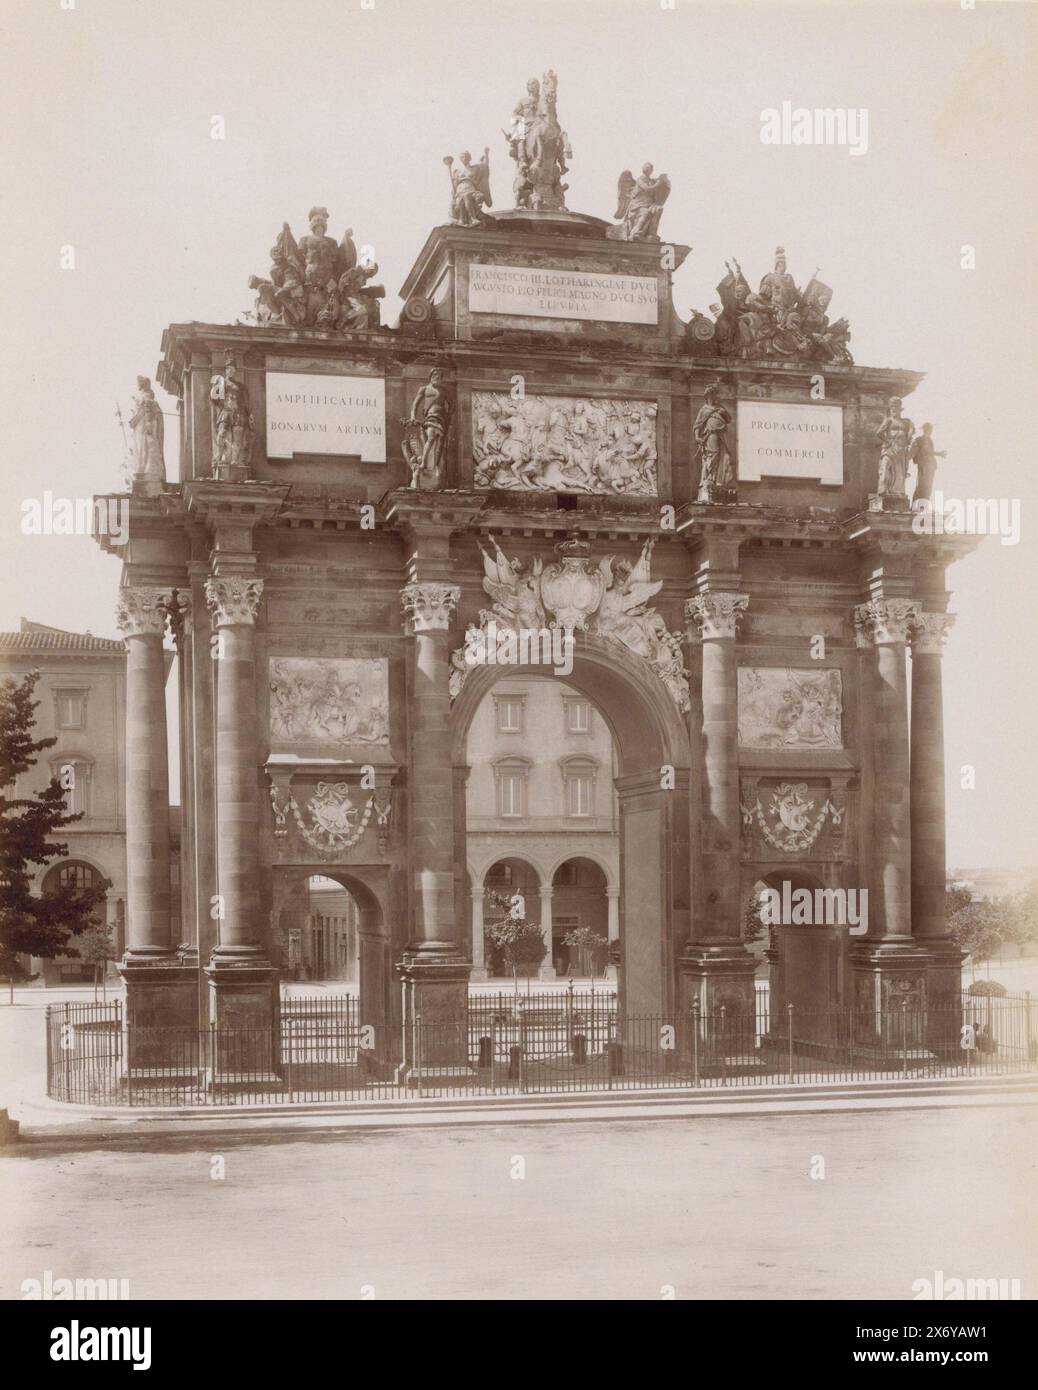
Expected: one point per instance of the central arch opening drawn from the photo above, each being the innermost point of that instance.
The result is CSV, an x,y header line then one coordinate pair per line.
x,y
585,779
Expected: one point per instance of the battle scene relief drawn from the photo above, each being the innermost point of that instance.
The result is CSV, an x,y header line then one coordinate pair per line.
x,y
564,444
329,700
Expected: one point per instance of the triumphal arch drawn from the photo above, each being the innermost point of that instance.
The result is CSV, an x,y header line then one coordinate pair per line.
x,y
711,510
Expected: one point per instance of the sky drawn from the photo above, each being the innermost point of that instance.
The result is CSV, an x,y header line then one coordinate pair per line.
x,y
110,107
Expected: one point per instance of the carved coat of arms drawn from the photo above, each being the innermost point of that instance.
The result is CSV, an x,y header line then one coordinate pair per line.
x,y
609,599
790,821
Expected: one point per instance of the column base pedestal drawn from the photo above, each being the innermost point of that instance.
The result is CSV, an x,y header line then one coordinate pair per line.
x,y
436,1028
717,988
896,1014
161,1010
716,976
244,1006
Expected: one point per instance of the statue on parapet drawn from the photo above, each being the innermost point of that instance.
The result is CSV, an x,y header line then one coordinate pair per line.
x,y
639,205
424,442
317,282
539,146
779,320
148,430
895,436
924,455
470,189
233,425
710,431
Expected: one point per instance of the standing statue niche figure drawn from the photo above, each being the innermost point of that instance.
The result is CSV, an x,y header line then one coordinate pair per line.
x,y
924,456
470,189
710,432
424,441
232,424
540,148
895,436
146,423
639,205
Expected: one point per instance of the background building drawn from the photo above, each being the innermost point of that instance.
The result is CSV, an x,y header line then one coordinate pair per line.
x,y
81,698
542,816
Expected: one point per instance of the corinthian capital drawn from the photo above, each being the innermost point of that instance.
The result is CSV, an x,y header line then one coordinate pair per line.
x,y
716,615
234,599
884,620
928,633
428,607
141,611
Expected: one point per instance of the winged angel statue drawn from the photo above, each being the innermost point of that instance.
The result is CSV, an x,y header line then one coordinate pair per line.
x,y
610,599
639,205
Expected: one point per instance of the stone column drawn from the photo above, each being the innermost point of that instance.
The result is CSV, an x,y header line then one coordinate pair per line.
x,y
159,991
547,966
883,625
716,967
928,635
242,981
929,867
479,963
434,963
612,927
889,968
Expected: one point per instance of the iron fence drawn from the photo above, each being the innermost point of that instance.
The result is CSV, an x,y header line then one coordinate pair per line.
x,y
317,1052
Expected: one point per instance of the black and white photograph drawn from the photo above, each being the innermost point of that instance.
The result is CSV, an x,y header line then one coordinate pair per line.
x,y
517,715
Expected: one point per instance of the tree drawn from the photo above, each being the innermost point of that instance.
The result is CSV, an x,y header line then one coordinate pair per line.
x,y
587,941
31,925
754,928
979,926
96,946
520,942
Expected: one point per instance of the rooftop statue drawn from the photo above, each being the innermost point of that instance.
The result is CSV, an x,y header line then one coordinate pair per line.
x,y
539,146
639,205
147,426
470,189
895,436
317,282
778,321
924,455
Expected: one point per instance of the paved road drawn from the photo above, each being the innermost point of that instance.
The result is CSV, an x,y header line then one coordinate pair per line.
x,y
617,1209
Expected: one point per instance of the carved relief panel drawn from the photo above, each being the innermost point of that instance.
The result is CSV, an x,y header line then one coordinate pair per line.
x,y
784,708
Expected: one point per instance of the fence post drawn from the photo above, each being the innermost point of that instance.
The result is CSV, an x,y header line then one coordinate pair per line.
x,y
522,1049
418,1051
724,1050
493,1052
789,1040
695,1042
1027,1026
904,1037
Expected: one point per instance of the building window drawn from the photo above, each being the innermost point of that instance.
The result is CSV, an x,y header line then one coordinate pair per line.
x,y
578,716
511,788
77,876
579,779
70,709
509,713
74,776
